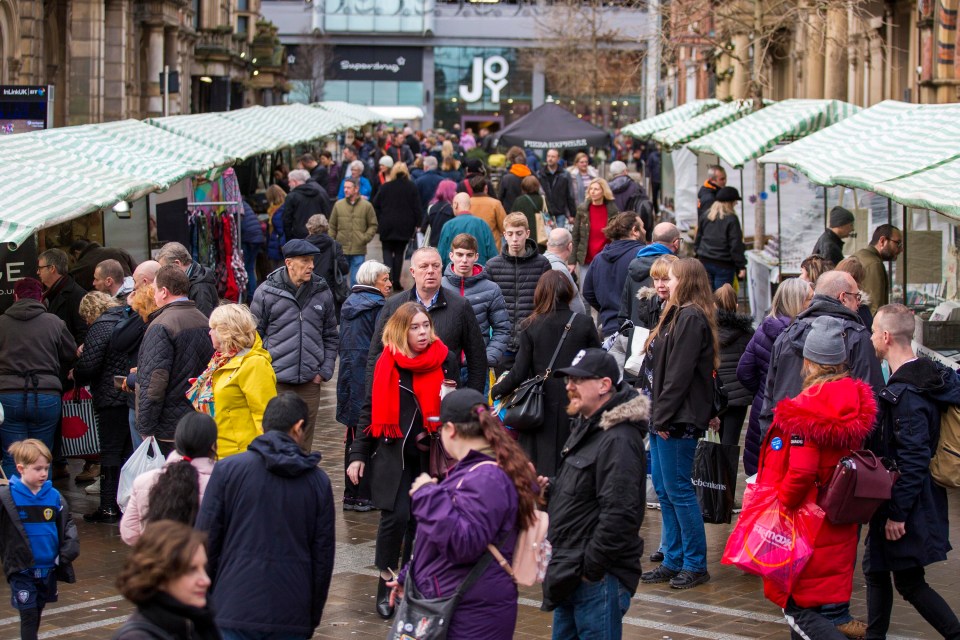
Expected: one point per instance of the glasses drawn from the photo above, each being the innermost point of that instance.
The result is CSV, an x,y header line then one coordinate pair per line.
x,y
856,294
899,243
576,379
41,267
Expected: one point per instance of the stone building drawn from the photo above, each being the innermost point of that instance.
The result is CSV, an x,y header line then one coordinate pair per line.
x,y
106,58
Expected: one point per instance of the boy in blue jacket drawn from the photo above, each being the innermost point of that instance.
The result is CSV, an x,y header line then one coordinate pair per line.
x,y
38,539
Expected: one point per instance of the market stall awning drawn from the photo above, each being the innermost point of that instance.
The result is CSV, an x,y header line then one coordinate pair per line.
x,y
293,123
550,126
937,188
44,185
235,138
350,115
755,134
648,126
701,125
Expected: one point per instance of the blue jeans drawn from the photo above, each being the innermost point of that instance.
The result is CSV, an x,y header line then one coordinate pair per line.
x,y
683,540
27,415
250,251
237,634
135,436
718,275
354,262
595,612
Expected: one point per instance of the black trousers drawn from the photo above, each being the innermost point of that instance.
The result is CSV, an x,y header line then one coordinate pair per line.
x,y
393,253
731,424
114,427
357,491
808,624
397,527
911,585
655,196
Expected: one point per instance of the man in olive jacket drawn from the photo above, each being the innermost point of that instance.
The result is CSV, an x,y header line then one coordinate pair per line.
x,y
886,245
353,223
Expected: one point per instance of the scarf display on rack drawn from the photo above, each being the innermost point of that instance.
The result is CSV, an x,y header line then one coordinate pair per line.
x,y
215,233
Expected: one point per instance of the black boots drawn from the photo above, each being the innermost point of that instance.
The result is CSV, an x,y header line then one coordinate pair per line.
x,y
384,609
109,511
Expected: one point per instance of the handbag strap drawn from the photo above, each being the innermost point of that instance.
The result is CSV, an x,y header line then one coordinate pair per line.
x,y
556,352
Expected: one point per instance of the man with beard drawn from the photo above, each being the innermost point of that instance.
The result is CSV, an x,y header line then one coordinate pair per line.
x,y
885,246
596,502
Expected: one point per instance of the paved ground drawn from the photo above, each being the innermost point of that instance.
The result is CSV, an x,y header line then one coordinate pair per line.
x,y
730,607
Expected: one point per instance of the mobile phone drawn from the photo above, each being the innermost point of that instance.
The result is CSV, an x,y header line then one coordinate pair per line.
x,y
118,381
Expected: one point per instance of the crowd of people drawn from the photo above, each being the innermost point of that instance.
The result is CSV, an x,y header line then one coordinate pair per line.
x,y
549,276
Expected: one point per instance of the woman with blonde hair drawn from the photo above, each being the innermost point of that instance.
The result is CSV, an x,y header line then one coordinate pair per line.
x,y
719,241
582,173
593,215
397,431
275,198
238,382
399,213
96,367
684,350
792,296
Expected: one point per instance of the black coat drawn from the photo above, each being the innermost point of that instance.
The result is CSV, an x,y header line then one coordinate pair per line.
x,y
92,255
268,513
16,553
909,430
706,196
99,362
830,246
682,356
63,300
399,213
203,288
306,200
330,250
596,500
734,331
358,319
537,344
438,214
162,617
721,241
517,278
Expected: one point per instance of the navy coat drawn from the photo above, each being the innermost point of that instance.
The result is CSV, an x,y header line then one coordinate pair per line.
x,y
358,319
603,286
909,429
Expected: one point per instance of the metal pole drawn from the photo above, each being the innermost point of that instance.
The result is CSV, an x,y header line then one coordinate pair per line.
x,y
779,228
826,221
166,90
903,238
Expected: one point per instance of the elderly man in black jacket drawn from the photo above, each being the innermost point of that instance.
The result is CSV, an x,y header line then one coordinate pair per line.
x,y
203,283
175,348
306,198
268,514
596,501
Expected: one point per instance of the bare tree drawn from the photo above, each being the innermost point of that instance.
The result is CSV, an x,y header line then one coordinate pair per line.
x,y
309,65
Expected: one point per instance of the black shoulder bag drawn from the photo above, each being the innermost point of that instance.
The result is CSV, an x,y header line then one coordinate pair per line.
x,y
524,408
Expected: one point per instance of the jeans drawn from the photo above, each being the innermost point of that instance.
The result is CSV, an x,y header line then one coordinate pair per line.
x,y
354,262
809,624
135,436
595,612
837,613
683,539
393,252
27,415
238,634
911,585
250,251
718,275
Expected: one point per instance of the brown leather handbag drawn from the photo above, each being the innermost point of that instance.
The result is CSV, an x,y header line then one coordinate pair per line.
x,y
860,483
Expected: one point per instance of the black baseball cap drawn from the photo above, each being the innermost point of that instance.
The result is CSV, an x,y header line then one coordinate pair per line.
x,y
593,363
458,406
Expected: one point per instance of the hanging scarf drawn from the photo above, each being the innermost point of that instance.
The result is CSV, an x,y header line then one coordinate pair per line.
x,y
427,369
200,393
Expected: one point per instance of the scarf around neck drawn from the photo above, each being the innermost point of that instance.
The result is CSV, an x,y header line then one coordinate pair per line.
x,y
200,393
427,369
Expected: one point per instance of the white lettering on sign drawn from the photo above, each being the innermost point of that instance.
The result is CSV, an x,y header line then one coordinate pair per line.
x,y
14,271
374,66
490,73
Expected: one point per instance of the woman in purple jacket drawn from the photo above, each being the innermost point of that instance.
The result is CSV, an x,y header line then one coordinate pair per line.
x,y
793,296
485,499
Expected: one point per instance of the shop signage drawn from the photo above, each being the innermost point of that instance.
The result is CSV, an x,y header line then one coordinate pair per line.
x,y
16,264
490,73
376,63
25,108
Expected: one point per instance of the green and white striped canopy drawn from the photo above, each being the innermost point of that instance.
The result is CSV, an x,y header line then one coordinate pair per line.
x,y
700,125
649,126
936,188
350,115
293,123
753,135
214,129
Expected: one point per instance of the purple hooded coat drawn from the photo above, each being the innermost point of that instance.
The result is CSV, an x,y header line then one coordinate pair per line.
x,y
454,526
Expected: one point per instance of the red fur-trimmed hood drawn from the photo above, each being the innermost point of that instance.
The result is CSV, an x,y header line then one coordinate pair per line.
x,y
837,414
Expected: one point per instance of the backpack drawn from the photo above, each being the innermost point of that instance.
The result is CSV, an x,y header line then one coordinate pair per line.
x,y
945,464
532,553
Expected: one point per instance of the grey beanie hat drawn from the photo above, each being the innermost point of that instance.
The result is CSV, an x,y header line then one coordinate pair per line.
x,y
824,343
840,217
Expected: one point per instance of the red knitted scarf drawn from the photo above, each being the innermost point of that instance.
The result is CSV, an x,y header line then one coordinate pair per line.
x,y
427,368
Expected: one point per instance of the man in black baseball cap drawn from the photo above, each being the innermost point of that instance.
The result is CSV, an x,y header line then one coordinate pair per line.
x,y
596,500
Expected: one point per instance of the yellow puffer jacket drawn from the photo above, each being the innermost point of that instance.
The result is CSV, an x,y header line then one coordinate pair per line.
x,y
241,389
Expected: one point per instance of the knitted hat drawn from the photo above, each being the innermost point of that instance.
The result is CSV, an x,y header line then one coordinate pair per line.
x,y
386,161
28,289
840,217
824,343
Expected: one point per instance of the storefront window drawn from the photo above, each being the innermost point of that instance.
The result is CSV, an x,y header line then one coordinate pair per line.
x,y
477,83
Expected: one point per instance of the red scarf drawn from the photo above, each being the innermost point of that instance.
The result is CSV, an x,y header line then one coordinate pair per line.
x,y
427,369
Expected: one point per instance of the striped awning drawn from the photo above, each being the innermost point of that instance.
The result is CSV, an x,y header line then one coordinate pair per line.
x,y
293,123
753,135
350,115
701,125
649,126
936,188
237,139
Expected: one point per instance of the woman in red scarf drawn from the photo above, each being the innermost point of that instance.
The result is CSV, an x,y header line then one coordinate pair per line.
x,y
394,448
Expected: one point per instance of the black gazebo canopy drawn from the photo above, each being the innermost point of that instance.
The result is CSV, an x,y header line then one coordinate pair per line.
x,y
551,126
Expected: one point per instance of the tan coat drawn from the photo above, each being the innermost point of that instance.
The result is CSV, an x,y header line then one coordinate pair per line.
x,y
353,225
491,211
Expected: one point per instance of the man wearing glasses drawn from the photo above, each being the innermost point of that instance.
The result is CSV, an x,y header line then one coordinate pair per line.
x,y
61,294
886,245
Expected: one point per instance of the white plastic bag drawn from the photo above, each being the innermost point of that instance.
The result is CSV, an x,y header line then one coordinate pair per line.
x,y
147,456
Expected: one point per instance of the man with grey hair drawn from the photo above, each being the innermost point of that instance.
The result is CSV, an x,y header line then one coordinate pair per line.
x,y
108,278
465,222
630,196
716,180
355,171
61,293
305,199
203,283
427,182
559,248
353,223
666,240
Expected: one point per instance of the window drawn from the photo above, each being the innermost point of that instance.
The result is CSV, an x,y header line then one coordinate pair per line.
x,y
243,5
243,24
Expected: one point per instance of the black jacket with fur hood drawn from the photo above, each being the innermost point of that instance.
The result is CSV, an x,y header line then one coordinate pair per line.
x,y
596,500
735,331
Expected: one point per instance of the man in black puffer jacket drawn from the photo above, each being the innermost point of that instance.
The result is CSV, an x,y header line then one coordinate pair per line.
x,y
175,348
306,198
517,271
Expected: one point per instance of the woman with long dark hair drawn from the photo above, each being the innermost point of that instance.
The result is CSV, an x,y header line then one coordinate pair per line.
x,y
174,492
685,352
395,441
539,335
487,498
166,578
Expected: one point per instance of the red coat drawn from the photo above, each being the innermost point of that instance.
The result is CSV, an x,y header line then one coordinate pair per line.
x,y
809,435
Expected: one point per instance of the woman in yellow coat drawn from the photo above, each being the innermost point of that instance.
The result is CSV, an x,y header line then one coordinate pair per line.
x,y
238,382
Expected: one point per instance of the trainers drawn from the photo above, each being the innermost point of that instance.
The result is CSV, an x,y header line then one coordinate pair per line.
x,y
660,574
362,505
688,579
93,489
854,629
